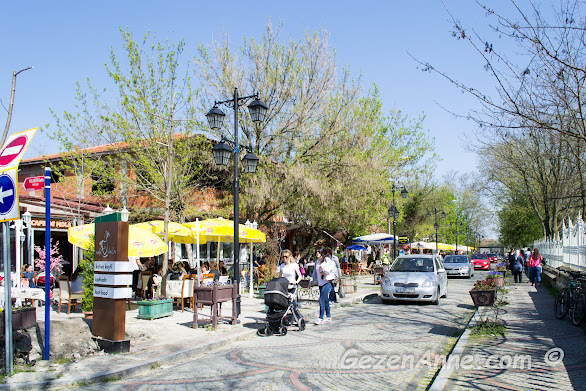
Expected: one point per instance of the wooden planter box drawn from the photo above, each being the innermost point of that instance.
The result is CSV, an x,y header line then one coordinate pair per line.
x,y
483,298
498,281
155,309
348,285
214,296
21,319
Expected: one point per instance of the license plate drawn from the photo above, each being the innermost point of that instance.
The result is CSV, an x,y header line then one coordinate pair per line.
x,y
405,290
453,272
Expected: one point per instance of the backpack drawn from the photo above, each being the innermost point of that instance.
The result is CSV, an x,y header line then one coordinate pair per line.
x,y
517,266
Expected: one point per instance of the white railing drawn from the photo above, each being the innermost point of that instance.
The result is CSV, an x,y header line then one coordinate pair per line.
x,y
569,249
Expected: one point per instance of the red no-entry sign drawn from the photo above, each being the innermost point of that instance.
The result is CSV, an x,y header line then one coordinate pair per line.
x,y
12,150
34,183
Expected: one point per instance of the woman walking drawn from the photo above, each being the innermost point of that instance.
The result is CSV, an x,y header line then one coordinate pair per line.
x,y
324,273
517,267
535,268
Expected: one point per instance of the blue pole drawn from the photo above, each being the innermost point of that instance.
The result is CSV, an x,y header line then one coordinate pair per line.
x,y
47,259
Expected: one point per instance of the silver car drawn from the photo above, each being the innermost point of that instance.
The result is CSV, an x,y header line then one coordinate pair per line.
x,y
458,265
419,277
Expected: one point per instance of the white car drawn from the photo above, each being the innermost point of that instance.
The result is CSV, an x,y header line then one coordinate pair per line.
x,y
417,277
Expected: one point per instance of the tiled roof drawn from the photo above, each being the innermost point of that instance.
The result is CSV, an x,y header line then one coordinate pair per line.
x,y
73,203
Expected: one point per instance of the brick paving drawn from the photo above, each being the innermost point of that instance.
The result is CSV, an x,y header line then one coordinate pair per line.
x,y
532,331
354,352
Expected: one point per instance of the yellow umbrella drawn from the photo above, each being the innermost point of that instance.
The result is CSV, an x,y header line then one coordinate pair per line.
x,y
141,242
177,232
222,230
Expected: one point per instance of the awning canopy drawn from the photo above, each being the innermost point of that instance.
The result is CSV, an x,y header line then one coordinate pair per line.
x,y
374,239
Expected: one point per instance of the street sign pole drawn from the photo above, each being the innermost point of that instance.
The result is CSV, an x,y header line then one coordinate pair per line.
x,y
7,298
47,259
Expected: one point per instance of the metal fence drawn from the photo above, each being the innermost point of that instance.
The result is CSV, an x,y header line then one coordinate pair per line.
x,y
567,249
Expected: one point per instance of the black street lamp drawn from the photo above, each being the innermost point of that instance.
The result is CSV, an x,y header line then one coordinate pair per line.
x,y
222,152
436,224
456,232
394,212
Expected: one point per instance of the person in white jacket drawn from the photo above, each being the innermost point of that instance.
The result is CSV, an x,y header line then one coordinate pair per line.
x,y
324,273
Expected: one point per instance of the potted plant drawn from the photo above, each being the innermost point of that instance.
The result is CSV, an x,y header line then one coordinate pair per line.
x,y
87,264
496,277
22,318
350,282
155,308
483,293
502,268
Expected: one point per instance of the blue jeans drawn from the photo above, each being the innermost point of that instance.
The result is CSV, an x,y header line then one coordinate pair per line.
x,y
324,300
535,275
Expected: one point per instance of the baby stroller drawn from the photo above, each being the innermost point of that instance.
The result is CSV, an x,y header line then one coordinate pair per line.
x,y
282,311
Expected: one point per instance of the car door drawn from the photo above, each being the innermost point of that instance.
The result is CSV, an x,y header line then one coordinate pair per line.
x,y
441,276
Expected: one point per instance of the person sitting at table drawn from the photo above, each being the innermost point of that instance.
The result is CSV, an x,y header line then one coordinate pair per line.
x,y
215,271
222,269
29,273
76,281
155,280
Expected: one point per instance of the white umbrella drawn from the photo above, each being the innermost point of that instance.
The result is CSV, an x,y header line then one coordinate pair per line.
x,y
374,239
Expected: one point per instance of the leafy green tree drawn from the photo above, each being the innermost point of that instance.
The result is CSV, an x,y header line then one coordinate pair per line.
x,y
519,226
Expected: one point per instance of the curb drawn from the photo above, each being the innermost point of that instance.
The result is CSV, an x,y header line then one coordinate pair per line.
x,y
132,369
443,376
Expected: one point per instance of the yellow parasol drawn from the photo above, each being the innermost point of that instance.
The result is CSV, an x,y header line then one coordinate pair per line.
x,y
178,233
222,230
141,242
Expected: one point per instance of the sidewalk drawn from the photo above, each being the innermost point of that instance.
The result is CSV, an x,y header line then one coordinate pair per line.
x,y
160,342
538,351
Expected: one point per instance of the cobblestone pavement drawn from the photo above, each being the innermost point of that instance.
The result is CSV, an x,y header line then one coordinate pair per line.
x,y
532,331
367,346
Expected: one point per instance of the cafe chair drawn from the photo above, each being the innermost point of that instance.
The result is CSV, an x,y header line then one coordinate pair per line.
x,y
65,294
185,293
144,281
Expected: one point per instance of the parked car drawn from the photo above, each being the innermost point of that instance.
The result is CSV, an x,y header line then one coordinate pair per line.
x,y
458,265
492,257
417,277
481,261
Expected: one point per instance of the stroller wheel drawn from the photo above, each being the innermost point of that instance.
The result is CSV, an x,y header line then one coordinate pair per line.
x,y
283,331
301,324
268,331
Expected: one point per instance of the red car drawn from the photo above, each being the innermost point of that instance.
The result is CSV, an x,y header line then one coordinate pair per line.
x,y
480,261
492,257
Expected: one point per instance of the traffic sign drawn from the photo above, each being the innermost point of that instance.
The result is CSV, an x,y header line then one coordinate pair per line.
x,y
34,183
8,195
14,147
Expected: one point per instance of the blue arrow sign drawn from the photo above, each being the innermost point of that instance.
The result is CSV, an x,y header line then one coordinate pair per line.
x,y
7,194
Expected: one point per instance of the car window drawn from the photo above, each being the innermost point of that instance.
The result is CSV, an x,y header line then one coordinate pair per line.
x,y
456,259
412,265
479,256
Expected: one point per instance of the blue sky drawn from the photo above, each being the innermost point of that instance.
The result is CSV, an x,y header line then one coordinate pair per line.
x,y
68,41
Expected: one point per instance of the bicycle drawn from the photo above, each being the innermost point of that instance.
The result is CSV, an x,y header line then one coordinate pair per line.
x,y
571,298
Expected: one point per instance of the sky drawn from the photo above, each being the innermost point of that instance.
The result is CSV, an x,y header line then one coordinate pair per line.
x,y
69,41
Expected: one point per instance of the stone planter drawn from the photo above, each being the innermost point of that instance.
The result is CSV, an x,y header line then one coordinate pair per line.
x,y
155,309
22,318
482,298
349,285
498,281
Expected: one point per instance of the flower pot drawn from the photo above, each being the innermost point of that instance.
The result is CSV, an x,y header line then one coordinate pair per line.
x,y
155,309
498,281
88,314
349,285
261,291
483,298
22,318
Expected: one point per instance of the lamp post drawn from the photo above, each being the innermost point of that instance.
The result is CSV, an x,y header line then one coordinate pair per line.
x,y
456,233
395,213
436,224
222,153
